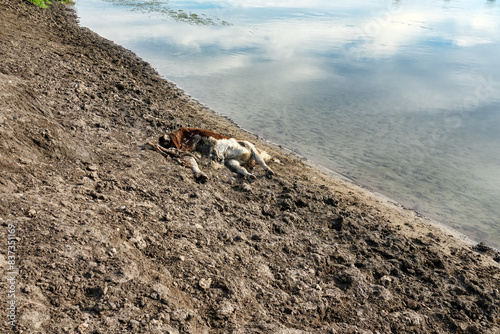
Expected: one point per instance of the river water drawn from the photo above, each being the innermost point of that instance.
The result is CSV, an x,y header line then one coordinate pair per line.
x,y
400,96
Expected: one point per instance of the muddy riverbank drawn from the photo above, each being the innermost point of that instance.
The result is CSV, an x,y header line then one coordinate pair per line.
x,y
111,237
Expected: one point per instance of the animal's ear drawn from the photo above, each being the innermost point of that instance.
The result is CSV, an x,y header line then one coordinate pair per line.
x,y
164,141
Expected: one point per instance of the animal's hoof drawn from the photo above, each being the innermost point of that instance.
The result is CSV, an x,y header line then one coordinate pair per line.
x,y
270,173
251,177
201,177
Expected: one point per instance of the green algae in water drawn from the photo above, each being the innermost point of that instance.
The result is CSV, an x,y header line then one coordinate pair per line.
x,y
162,8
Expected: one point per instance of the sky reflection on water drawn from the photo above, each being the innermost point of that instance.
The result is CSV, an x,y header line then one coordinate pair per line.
x,y
402,97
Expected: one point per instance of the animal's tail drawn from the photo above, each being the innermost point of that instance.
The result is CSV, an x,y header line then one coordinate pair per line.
x,y
265,156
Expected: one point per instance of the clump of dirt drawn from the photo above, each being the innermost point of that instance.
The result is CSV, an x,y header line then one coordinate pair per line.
x,y
111,237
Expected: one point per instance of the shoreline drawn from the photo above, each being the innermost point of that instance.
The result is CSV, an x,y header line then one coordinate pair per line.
x,y
454,224
113,237
337,177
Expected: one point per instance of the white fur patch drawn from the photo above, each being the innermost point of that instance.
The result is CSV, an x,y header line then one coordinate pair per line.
x,y
231,149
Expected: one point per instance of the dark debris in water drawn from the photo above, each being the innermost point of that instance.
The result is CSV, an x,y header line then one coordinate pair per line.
x,y
162,8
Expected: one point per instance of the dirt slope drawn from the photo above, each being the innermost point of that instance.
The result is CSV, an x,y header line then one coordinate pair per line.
x,y
113,238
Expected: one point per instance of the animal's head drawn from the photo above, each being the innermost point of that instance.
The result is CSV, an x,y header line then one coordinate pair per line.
x,y
165,141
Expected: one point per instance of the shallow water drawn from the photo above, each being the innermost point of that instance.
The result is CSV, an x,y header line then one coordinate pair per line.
x,y
399,96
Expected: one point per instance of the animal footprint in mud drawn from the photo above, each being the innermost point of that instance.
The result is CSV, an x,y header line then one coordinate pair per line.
x,y
201,177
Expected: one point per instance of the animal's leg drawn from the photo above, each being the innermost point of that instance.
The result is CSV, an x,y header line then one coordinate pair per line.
x,y
235,166
198,174
258,158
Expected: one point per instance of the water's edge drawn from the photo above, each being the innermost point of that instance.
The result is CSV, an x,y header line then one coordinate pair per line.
x,y
461,237
317,165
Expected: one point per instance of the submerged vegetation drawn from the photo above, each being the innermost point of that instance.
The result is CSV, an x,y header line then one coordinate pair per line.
x,y
160,7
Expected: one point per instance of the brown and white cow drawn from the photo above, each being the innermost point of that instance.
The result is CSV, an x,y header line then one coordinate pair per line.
x,y
186,144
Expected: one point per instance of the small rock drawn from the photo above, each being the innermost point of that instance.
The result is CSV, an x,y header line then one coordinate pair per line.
x,y
412,304
385,280
267,210
246,187
165,317
93,175
413,318
92,168
133,324
382,293
180,315
82,327
139,242
171,330
225,311
205,283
